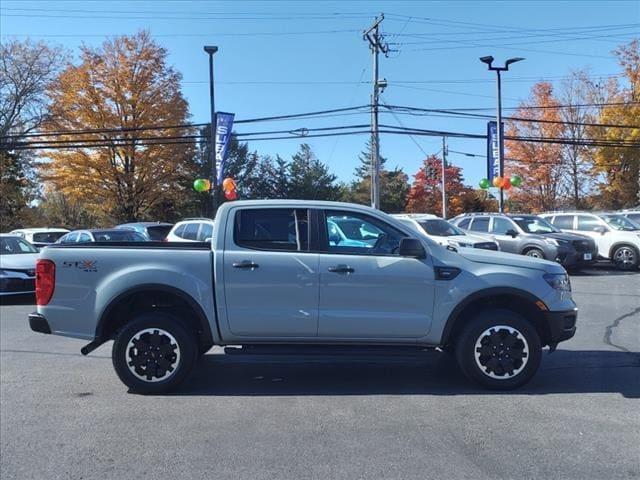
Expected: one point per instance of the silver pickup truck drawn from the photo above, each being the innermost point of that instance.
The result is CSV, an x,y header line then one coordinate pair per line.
x,y
285,272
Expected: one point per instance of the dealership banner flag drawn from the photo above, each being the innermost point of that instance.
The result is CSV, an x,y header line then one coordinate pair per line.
x,y
224,124
493,156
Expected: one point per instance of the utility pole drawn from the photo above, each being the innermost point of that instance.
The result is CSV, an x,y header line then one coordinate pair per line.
x,y
444,164
211,50
376,45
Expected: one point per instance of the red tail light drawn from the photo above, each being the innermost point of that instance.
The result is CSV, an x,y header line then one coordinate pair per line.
x,y
45,281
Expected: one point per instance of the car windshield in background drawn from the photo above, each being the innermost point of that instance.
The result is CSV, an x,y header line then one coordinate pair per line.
x,y
47,237
535,225
440,228
118,236
619,222
158,233
14,245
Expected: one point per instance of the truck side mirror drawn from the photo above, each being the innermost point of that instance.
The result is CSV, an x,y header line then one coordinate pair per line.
x,y
411,247
511,232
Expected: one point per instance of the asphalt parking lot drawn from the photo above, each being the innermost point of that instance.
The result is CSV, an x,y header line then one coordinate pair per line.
x,y
63,416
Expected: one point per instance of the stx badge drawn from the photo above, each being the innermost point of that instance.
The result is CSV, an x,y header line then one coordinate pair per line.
x,y
84,265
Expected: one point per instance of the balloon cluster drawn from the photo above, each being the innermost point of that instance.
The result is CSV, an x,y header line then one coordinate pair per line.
x,y
502,182
230,189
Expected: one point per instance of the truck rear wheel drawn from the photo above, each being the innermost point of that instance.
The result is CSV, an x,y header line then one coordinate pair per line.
x,y
499,349
154,353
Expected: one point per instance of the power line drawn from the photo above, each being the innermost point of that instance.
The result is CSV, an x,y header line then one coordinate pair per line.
x,y
171,35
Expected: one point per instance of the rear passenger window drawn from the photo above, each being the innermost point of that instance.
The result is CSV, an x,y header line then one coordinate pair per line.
x,y
206,231
464,223
587,223
563,222
191,231
272,229
480,224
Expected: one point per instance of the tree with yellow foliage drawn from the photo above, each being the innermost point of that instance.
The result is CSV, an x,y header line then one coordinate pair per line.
x,y
124,170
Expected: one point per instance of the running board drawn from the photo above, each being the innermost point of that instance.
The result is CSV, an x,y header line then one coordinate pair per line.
x,y
329,350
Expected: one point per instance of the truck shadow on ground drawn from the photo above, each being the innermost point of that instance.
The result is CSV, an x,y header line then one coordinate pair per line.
x,y
434,373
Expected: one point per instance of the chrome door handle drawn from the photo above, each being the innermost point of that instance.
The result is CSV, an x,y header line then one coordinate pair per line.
x,y
341,269
246,264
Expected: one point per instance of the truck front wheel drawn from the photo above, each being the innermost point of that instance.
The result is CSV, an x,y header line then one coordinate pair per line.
x,y
154,353
499,349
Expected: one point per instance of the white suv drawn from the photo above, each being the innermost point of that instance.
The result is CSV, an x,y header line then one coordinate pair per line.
x,y
617,237
445,233
40,237
191,230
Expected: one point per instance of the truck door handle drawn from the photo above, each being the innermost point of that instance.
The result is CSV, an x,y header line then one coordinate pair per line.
x,y
245,264
341,269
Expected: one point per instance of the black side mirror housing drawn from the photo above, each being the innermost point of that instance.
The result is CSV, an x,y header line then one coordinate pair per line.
x,y
411,247
511,232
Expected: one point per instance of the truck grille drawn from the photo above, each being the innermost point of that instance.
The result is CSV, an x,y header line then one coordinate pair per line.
x,y
486,246
584,245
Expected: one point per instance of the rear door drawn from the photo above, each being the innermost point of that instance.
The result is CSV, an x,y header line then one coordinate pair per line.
x,y
270,273
366,289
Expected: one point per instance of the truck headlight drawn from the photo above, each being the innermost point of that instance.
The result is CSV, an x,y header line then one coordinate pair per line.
x,y
559,281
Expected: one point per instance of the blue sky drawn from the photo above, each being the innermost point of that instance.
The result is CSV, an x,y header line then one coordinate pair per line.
x,y
278,58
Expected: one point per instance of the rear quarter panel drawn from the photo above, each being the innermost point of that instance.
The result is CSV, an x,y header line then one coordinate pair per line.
x,y
88,279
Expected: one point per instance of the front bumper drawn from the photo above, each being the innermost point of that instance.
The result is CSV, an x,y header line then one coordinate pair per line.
x,y
39,323
570,257
562,325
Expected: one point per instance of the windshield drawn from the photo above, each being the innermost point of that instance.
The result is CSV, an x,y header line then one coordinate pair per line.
x,y
618,222
14,246
535,225
440,228
118,236
159,232
47,237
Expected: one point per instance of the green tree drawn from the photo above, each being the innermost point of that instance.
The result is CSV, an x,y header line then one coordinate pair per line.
x,y
310,178
394,184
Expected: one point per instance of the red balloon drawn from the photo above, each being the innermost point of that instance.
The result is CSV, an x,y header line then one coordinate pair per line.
x,y
230,194
506,183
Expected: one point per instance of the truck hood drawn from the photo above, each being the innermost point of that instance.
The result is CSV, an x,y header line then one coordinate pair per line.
x,y
510,259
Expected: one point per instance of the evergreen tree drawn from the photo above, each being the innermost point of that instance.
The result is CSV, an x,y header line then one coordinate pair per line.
x,y
310,178
281,181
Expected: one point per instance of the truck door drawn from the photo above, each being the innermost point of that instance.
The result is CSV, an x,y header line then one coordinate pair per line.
x,y
366,289
270,275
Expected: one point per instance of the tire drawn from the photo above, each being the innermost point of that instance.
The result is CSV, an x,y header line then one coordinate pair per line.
x,y
145,370
535,253
484,358
625,257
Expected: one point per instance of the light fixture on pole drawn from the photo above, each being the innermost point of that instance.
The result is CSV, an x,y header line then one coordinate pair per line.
x,y
211,50
489,61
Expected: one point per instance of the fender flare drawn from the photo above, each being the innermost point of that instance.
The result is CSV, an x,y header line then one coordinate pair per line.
x,y
528,297
203,321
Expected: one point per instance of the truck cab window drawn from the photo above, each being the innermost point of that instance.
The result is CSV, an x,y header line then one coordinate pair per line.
x,y
355,233
272,229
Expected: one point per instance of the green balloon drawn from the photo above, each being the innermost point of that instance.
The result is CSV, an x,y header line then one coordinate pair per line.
x,y
516,180
484,184
201,185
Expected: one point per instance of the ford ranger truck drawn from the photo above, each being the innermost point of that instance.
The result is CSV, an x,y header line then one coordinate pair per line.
x,y
275,275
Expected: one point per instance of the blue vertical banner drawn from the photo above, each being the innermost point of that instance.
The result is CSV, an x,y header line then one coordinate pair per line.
x,y
224,125
493,155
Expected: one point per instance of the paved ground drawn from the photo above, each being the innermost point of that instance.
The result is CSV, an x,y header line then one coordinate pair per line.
x,y
65,416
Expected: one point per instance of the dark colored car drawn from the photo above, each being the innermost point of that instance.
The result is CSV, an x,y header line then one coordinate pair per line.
x,y
102,235
533,236
153,231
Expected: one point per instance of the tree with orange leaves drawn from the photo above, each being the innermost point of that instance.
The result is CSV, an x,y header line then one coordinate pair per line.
x,y
120,88
539,164
425,194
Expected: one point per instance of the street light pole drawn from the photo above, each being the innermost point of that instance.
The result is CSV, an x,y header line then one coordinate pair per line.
x,y
489,61
211,50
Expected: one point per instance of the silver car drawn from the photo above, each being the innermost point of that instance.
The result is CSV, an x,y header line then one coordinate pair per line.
x,y
17,265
